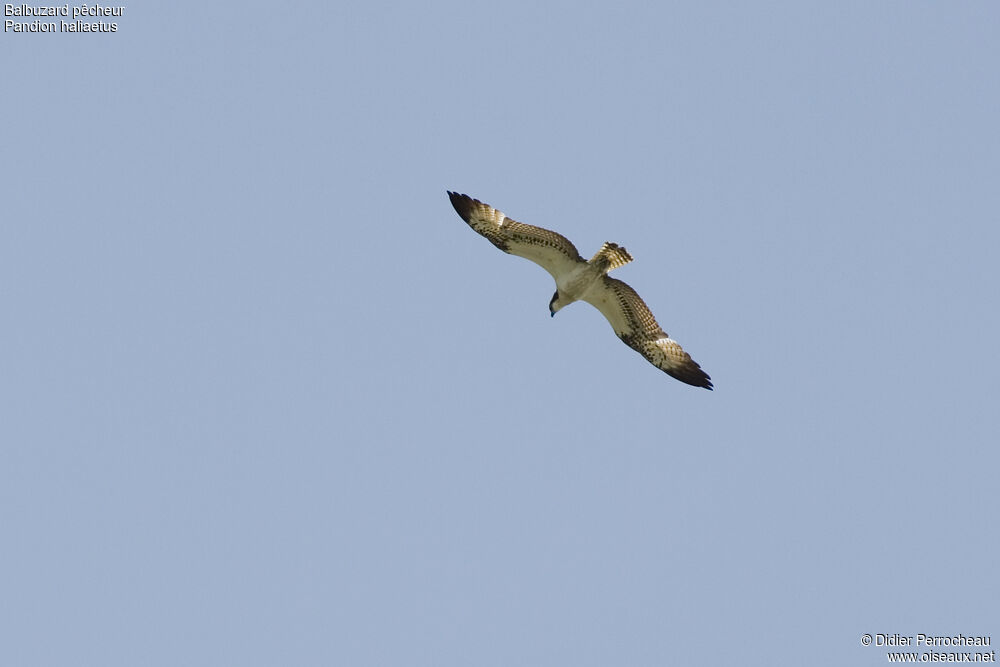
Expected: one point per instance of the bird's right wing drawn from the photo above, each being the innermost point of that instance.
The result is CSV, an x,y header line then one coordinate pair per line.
x,y
634,323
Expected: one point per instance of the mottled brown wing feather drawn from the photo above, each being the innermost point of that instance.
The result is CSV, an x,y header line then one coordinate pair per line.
x,y
553,252
619,303
635,325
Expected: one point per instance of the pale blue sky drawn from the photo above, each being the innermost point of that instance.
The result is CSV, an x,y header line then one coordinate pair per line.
x,y
268,400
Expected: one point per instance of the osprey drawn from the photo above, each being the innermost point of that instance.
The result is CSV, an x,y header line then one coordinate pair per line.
x,y
580,280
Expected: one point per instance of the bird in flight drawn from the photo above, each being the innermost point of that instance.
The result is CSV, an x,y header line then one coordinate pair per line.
x,y
580,280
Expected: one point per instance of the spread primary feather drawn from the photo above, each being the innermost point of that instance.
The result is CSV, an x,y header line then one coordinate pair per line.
x,y
580,280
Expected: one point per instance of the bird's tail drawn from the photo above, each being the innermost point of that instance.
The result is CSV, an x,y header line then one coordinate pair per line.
x,y
610,256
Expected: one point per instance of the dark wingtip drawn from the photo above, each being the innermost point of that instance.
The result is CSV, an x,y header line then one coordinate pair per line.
x,y
693,376
462,203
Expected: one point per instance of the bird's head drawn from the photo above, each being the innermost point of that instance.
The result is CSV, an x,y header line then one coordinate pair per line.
x,y
555,305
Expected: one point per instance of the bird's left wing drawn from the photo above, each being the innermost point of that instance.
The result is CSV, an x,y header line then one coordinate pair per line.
x,y
553,252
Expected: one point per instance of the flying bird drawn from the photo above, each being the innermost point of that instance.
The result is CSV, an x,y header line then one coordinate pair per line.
x,y
580,280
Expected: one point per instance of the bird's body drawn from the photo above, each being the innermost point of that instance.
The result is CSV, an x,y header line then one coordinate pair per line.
x,y
580,280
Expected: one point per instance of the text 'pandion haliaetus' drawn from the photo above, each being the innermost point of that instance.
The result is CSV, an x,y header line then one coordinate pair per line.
x,y
580,280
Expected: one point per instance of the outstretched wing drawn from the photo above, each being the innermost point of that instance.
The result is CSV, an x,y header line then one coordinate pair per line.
x,y
636,326
552,251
